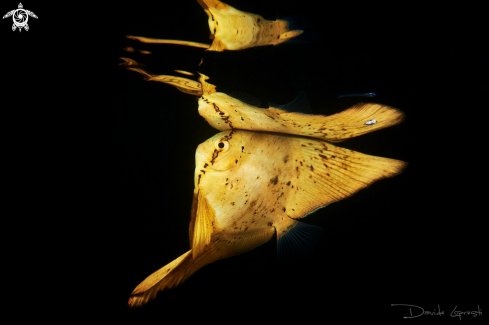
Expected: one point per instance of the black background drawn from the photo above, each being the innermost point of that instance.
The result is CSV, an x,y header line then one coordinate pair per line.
x,y
99,163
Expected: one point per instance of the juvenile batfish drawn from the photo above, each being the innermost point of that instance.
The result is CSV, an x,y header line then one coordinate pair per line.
x,y
252,185
225,112
232,29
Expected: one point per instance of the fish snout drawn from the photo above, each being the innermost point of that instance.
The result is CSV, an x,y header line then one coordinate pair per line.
x,y
215,115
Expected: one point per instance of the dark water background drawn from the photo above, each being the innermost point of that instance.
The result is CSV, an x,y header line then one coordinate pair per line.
x,y
99,163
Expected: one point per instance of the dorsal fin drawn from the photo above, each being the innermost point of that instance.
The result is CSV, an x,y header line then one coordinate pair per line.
x,y
298,242
300,104
246,98
323,173
207,88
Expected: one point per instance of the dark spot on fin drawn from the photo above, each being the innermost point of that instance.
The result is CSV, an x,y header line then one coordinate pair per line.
x,y
300,104
298,242
274,180
245,98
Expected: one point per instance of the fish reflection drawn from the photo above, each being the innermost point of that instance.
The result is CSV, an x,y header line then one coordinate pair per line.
x,y
225,112
185,85
240,111
249,186
232,29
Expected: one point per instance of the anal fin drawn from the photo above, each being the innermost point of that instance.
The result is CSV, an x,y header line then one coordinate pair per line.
x,y
167,277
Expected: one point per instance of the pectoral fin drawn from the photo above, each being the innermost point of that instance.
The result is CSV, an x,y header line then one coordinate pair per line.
x,y
203,225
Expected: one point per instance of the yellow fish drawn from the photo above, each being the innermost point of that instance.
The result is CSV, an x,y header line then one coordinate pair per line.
x,y
225,112
232,29
252,185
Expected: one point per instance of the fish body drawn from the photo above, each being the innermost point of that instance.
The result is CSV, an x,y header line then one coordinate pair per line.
x,y
249,186
224,112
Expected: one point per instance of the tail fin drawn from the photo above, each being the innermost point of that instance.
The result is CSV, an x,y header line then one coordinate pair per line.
x,y
169,276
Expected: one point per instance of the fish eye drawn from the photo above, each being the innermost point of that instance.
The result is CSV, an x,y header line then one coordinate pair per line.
x,y
221,145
